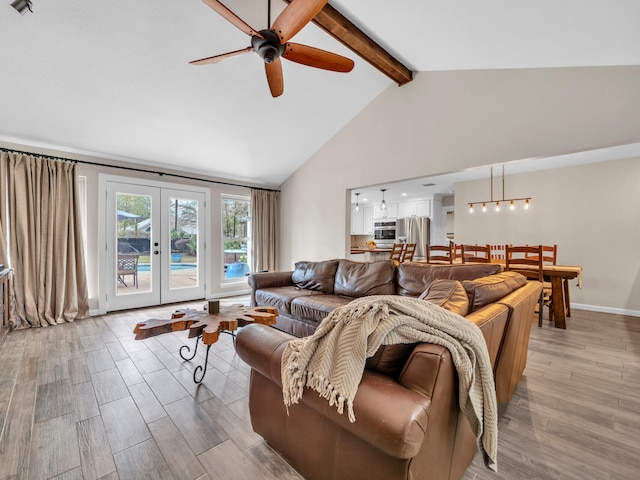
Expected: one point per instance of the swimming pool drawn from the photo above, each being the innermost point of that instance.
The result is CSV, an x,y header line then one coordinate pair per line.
x,y
145,267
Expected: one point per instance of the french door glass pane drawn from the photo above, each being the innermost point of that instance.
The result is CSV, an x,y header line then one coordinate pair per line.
x,y
183,219
133,264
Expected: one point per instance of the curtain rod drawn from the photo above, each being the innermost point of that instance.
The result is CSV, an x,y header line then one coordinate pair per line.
x,y
98,164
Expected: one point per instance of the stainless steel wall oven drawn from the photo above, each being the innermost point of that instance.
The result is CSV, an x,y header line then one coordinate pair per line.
x,y
384,231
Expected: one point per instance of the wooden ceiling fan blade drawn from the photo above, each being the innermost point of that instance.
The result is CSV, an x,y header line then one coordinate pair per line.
x,y
314,57
222,56
274,77
231,17
293,18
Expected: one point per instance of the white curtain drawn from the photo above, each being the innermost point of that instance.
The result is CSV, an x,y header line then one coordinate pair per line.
x,y
264,230
44,239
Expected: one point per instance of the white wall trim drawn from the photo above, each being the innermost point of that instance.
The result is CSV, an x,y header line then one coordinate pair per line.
x,y
598,308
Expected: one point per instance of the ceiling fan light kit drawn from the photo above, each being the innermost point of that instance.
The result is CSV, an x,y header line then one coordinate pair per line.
x,y
271,44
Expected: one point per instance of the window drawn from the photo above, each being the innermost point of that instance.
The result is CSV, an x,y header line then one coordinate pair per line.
x,y
235,236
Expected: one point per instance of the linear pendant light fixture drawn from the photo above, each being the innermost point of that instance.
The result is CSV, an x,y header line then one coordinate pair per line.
x,y
512,205
383,204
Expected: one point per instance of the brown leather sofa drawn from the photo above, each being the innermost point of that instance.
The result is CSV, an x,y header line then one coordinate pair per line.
x,y
306,295
408,423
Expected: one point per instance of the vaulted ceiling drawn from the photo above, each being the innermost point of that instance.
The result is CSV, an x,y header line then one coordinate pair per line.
x,y
112,79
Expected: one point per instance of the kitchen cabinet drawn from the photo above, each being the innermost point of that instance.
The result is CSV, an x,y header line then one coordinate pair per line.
x,y
390,212
362,221
421,208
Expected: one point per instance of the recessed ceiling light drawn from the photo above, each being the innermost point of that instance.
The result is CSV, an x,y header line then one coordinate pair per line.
x,y
404,194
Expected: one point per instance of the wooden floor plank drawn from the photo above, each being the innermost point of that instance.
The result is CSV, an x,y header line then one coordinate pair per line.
x,y
147,403
95,454
143,461
84,400
176,451
15,441
54,448
165,386
109,386
199,430
124,425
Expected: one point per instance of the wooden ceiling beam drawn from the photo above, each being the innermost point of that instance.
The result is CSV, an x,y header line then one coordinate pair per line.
x,y
343,30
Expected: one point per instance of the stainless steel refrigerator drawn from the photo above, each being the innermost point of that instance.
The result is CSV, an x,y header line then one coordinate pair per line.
x,y
414,230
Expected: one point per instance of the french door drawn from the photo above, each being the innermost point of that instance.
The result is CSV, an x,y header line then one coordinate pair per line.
x,y
154,245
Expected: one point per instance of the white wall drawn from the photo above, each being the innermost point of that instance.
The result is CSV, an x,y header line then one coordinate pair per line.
x,y
590,211
448,121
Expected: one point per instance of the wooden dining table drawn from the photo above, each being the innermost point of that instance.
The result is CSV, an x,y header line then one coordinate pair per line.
x,y
556,275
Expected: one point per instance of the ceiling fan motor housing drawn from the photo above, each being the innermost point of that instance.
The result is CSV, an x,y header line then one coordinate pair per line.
x,y
268,47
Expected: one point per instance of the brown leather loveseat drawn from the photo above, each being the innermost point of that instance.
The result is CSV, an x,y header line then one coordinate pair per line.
x,y
408,423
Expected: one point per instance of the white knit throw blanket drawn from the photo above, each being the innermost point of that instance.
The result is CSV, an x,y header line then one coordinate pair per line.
x,y
332,360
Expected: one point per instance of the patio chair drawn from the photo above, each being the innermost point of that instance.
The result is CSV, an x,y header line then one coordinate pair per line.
x,y
128,265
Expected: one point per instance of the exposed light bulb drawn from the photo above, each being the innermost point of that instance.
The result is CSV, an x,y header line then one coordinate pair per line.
x,y
497,206
526,204
471,208
484,207
512,206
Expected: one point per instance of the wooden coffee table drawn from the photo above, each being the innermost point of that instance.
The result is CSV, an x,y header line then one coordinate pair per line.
x,y
205,326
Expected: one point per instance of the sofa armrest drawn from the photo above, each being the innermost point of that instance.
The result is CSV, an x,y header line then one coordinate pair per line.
x,y
389,416
268,280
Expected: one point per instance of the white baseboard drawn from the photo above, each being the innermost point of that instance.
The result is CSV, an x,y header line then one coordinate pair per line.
x,y
598,308
94,313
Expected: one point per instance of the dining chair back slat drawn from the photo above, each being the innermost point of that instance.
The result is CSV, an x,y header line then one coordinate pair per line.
x,y
443,254
408,252
476,253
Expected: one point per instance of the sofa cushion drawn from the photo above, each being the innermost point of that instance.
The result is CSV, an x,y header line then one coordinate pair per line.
x,y
316,307
317,276
281,297
359,279
414,278
448,294
486,290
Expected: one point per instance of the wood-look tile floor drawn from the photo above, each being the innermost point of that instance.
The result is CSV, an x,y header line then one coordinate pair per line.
x,y
86,401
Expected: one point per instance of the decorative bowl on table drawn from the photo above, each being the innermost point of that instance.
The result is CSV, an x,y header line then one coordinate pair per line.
x,y
371,245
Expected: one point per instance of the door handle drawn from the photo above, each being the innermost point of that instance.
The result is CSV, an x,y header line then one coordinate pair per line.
x,y
156,252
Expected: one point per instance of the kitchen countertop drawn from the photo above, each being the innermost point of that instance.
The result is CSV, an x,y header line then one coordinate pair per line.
x,y
368,250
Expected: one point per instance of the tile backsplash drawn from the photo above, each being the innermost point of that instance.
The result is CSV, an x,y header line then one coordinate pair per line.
x,y
358,241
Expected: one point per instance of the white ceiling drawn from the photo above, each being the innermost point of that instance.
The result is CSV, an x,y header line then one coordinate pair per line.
x,y
112,78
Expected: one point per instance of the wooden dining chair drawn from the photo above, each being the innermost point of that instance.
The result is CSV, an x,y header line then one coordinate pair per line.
x,y
408,252
440,254
396,253
550,257
476,253
456,250
527,260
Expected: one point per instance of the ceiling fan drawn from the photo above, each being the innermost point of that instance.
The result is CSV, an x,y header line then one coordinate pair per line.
x,y
273,43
